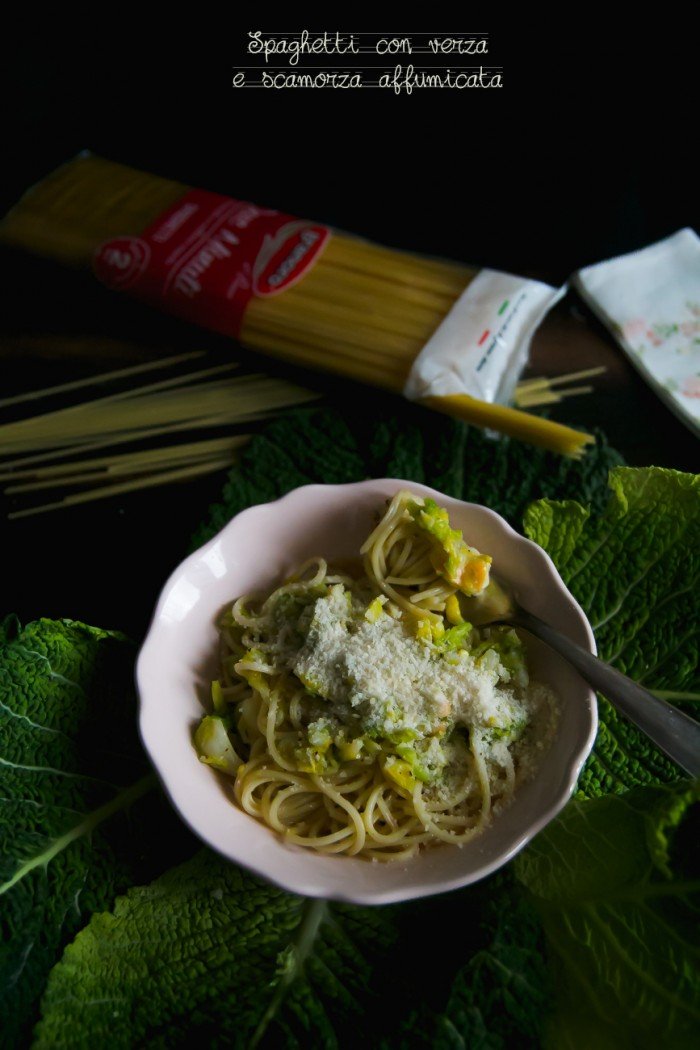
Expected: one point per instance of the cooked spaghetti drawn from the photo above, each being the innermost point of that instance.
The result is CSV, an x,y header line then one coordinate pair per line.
x,y
361,713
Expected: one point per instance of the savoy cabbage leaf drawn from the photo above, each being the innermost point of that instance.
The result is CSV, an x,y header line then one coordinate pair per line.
x,y
208,953
609,923
69,760
337,445
635,570
616,881
502,996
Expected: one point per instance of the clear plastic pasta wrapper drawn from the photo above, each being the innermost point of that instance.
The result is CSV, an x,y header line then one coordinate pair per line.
x,y
430,329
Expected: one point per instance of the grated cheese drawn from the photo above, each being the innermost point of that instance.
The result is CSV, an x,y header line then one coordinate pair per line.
x,y
381,670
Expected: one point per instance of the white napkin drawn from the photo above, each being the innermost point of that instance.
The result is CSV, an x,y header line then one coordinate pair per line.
x,y
650,301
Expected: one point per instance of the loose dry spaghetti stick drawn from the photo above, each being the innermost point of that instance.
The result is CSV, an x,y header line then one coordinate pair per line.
x,y
102,377
34,424
164,478
536,398
103,468
80,447
574,391
566,377
134,435
212,399
549,397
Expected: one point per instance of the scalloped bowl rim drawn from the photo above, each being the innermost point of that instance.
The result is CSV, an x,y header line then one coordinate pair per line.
x,y
195,789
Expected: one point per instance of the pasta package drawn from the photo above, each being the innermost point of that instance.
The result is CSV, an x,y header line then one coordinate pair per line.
x,y
453,336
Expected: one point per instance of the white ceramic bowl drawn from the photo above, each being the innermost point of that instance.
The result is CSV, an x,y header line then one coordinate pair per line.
x,y
253,553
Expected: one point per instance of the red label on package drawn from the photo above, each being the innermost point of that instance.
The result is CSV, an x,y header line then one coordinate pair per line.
x,y
207,256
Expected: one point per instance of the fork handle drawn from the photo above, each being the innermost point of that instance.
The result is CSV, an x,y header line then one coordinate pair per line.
x,y
674,732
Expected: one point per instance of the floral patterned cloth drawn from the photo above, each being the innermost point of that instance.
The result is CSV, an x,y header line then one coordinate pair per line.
x,y
650,300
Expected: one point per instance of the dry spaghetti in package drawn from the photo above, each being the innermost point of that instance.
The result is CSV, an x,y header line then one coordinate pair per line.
x,y
451,336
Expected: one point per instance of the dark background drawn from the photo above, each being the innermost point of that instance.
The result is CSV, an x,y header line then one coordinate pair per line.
x,y
587,151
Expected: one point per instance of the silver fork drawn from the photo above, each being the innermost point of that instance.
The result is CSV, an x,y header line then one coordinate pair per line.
x,y
674,732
